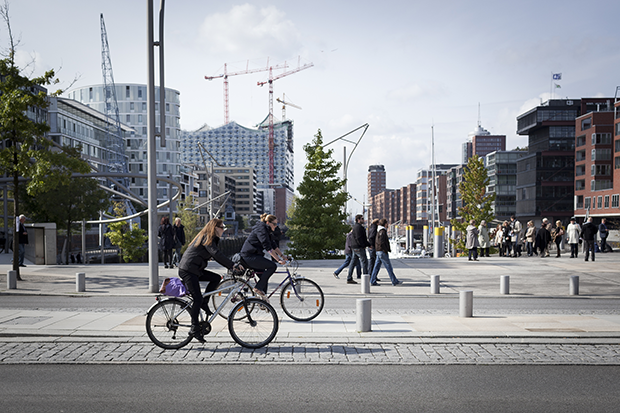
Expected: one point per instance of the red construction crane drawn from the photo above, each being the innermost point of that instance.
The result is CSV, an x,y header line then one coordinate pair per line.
x,y
225,75
270,81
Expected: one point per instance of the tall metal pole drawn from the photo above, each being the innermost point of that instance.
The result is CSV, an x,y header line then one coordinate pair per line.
x,y
151,155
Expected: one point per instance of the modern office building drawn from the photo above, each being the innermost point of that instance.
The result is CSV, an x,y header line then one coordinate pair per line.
x,y
235,146
376,180
502,171
480,142
423,202
245,189
597,164
398,206
132,105
546,174
454,177
73,123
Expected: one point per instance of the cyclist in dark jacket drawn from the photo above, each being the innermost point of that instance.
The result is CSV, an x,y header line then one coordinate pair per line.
x,y
253,255
192,269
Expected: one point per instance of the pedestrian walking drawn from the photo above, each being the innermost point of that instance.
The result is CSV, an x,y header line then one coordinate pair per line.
x,y
179,240
603,232
530,237
499,239
359,243
507,239
472,243
166,240
483,239
572,237
372,239
588,233
347,258
543,238
22,241
382,245
517,235
558,236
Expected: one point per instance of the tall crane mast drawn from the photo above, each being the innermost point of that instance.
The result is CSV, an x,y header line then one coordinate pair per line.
x,y
270,81
247,70
285,104
114,144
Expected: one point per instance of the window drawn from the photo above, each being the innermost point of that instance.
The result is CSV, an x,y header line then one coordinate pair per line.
x,y
601,138
600,202
127,92
601,154
615,201
586,123
606,201
597,170
90,94
586,204
128,119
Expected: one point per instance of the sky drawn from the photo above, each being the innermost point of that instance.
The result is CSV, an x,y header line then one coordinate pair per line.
x,y
403,67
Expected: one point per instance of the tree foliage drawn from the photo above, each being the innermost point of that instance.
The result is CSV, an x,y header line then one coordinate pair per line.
x,y
129,238
26,152
477,203
317,225
189,219
72,201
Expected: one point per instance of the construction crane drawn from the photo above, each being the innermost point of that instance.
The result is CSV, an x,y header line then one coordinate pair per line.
x,y
114,144
270,81
247,70
285,104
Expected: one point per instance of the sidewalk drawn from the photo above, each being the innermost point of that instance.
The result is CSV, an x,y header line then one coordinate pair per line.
x,y
529,277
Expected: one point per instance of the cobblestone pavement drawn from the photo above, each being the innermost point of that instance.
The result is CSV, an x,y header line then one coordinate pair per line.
x,y
281,353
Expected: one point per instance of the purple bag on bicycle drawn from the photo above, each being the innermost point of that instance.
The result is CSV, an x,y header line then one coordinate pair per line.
x,y
173,287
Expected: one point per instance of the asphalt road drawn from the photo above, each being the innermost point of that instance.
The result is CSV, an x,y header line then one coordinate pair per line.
x,y
406,304
301,388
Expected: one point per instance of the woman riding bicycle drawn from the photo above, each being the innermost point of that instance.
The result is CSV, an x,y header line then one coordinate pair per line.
x,y
192,269
252,252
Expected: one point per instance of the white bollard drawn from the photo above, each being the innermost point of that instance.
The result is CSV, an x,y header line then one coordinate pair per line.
x,y
434,284
466,303
363,312
365,283
574,285
11,280
80,282
504,284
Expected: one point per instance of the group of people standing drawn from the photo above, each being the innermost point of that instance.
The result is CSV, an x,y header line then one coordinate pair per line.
x,y
378,245
171,238
509,237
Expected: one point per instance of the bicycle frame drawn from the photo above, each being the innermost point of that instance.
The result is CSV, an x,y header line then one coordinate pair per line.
x,y
288,277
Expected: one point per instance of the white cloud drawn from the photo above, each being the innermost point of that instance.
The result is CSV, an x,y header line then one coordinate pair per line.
x,y
246,30
411,92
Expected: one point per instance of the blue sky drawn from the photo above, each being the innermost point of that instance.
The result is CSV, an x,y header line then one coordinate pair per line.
x,y
399,66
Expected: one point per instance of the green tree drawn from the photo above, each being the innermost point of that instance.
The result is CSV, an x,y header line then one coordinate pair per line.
x,y
317,225
26,152
189,219
129,238
70,202
476,201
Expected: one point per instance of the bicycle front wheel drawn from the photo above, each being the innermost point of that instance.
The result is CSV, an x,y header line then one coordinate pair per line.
x,y
302,299
168,324
258,325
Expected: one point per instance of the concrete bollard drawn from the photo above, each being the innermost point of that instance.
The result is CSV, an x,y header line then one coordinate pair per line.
x,y
365,283
466,303
80,282
504,284
363,313
434,284
574,285
11,280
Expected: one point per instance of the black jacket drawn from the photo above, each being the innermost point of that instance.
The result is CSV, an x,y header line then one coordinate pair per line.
x,y
259,240
382,243
179,234
166,237
588,231
359,237
23,234
198,255
543,238
372,235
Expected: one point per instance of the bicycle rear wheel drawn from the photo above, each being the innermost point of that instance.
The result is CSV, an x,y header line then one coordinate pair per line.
x,y
168,323
258,325
218,299
302,299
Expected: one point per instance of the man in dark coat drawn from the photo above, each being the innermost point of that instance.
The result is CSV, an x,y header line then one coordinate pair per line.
x,y
372,239
178,231
603,232
543,238
588,233
358,248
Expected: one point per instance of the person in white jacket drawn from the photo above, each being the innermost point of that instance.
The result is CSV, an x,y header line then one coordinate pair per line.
x,y
572,237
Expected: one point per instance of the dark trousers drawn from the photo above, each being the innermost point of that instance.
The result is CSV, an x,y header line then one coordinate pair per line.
x,y
372,256
530,248
574,249
603,244
359,255
589,244
484,252
192,283
167,257
473,252
260,263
